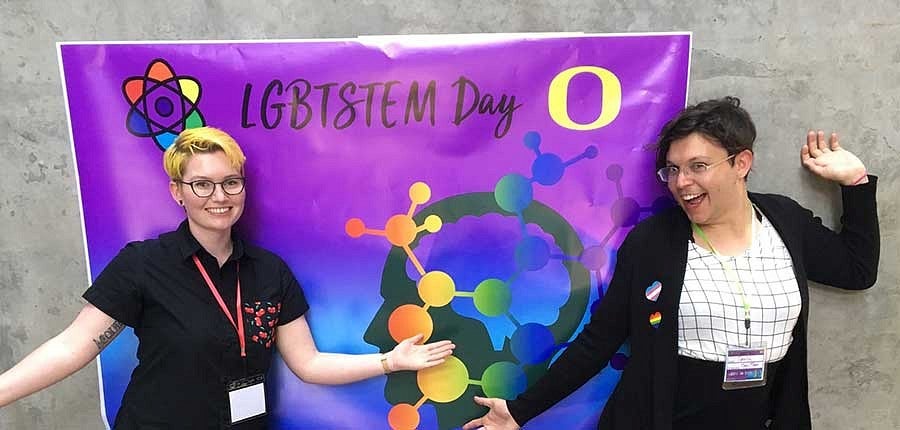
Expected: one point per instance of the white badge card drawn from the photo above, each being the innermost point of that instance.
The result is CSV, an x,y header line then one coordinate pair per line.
x,y
745,367
247,398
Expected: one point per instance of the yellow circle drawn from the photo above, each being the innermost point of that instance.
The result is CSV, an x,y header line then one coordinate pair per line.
x,y
419,193
436,288
445,382
433,223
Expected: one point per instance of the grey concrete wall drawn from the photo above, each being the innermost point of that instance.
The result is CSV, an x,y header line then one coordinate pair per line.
x,y
795,64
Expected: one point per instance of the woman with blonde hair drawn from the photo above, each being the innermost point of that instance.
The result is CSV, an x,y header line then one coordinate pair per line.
x,y
207,309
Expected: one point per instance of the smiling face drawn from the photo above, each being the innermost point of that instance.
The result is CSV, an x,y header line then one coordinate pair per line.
x,y
719,193
217,213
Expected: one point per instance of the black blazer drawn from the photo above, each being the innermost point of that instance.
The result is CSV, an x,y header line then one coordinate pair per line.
x,y
656,250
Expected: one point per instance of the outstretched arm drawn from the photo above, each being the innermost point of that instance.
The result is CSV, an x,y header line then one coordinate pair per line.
x,y
848,259
298,349
60,356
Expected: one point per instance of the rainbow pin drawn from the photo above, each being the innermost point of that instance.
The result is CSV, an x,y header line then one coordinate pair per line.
x,y
655,319
652,292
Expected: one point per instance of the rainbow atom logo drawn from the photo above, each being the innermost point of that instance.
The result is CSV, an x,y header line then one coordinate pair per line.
x,y
163,104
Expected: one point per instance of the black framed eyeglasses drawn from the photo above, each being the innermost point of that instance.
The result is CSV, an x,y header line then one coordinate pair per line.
x,y
204,188
695,169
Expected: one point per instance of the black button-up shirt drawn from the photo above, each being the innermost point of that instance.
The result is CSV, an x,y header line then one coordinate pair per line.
x,y
188,350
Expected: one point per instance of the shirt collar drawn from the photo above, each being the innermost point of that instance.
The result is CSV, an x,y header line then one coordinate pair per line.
x,y
188,244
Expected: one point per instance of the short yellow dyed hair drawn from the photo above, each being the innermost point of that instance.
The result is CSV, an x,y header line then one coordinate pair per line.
x,y
200,140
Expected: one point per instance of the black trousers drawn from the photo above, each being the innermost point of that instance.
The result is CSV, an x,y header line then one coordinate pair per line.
x,y
701,403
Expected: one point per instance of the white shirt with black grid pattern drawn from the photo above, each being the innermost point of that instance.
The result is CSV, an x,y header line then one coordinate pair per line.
x,y
711,311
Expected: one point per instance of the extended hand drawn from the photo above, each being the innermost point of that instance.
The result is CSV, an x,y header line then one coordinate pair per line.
x,y
409,355
831,161
497,418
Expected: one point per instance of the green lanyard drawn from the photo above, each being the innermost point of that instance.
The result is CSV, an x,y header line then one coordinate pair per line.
x,y
729,273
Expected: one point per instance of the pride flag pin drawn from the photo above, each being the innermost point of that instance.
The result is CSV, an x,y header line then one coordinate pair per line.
x,y
652,292
655,319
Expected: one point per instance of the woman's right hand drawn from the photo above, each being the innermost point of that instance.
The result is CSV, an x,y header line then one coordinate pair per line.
x,y
497,418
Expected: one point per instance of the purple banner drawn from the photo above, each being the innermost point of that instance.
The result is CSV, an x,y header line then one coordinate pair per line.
x,y
467,187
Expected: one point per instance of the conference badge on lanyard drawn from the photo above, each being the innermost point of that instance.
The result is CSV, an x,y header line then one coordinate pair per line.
x,y
246,396
745,367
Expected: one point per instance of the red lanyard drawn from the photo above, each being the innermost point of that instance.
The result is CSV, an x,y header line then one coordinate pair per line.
x,y
239,327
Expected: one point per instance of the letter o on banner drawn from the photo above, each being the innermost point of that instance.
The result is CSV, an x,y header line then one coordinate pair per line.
x,y
558,98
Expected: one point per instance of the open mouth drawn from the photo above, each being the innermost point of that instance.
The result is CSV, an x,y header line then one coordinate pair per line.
x,y
693,200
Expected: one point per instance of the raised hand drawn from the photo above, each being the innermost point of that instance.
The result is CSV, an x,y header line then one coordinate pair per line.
x,y
497,418
830,161
409,355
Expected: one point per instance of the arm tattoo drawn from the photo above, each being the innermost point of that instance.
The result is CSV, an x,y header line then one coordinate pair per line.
x,y
107,336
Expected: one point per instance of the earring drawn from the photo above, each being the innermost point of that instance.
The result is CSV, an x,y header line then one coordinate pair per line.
x,y
181,203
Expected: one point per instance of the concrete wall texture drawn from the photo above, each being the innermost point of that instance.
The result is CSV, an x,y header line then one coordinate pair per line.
x,y
796,64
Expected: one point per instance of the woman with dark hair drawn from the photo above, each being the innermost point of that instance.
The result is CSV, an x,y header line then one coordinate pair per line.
x,y
712,294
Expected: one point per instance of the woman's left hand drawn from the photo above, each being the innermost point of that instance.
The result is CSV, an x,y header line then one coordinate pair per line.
x,y
409,355
830,161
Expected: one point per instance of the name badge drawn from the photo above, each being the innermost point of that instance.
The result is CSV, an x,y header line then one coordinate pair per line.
x,y
745,367
247,398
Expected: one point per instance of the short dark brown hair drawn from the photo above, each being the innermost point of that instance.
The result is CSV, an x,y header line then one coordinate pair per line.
x,y
723,121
